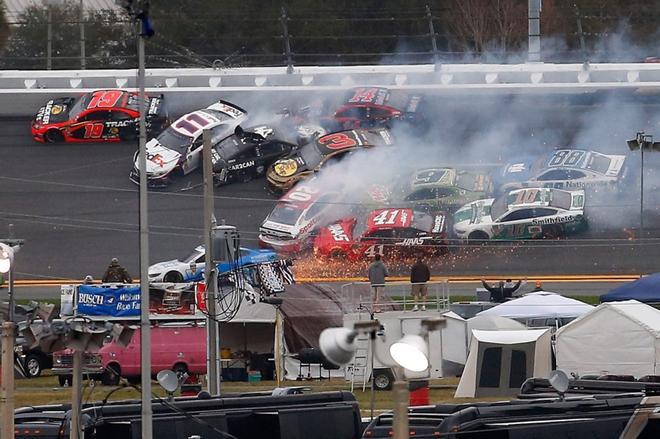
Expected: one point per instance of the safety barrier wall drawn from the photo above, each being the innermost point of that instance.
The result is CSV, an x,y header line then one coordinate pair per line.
x,y
22,92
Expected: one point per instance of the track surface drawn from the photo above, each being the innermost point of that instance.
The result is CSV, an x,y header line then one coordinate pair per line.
x,y
76,209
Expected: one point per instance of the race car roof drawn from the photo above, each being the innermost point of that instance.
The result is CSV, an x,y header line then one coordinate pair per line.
x,y
573,158
433,177
379,96
389,218
193,124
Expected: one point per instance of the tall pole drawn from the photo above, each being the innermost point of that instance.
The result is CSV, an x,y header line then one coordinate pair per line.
x,y
76,397
82,36
212,362
641,191
7,387
534,30
145,324
434,44
49,39
401,402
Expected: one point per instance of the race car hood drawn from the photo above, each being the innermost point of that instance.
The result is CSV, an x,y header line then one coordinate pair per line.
x,y
278,229
164,266
160,160
55,111
477,212
514,171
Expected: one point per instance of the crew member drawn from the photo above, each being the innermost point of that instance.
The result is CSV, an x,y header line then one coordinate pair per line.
x,y
116,273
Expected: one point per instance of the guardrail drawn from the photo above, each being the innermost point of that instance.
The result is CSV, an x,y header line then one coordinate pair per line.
x,y
21,92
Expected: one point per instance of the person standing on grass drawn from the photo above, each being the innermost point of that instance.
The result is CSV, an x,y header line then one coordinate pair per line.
x,y
419,275
377,274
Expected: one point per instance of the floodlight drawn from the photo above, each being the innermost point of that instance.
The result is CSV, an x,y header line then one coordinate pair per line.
x,y
6,257
338,345
168,380
411,352
558,379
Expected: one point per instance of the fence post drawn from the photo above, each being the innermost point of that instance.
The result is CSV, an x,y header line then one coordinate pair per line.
x,y
49,39
583,46
434,44
287,42
82,36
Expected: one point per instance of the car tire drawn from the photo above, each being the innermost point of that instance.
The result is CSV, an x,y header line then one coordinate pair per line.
x,y
111,375
180,369
173,276
33,366
245,177
54,136
478,237
383,379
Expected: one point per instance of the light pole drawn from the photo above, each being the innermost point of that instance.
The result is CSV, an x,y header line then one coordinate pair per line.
x,y
642,141
8,340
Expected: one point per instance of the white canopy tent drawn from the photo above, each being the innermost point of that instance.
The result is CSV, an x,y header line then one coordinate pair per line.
x,y
539,305
500,361
621,338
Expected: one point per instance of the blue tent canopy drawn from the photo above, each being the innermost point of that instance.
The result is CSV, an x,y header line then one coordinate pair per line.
x,y
645,289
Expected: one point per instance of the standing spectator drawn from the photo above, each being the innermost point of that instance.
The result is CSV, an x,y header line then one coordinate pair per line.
x,y
89,280
419,275
377,274
503,290
116,273
538,286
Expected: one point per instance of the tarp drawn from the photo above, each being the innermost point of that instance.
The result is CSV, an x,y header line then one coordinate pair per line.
x,y
541,304
106,301
500,361
645,289
621,338
491,323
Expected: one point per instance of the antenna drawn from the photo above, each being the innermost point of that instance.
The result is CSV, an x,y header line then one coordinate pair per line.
x,y
558,379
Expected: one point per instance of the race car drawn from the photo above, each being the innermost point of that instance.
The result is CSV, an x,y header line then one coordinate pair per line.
x,y
287,171
392,232
179,147
522,214
98,116
447,188
565,169
296,216
191,268
368,107
248,153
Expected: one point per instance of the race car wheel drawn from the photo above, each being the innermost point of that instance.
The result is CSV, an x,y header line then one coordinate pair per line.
x,y
173,276
478,237
111,375
33,366
54,136
553,232
180,369
245,177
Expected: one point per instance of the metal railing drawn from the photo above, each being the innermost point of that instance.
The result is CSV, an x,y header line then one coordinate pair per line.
x,y
395,296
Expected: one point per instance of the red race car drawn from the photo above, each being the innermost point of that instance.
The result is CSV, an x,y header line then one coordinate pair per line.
x,y
99,116
393,232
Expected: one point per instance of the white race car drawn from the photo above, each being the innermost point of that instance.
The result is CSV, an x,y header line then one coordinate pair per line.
x,y
180,146
564,169
191,268
303,209
522,214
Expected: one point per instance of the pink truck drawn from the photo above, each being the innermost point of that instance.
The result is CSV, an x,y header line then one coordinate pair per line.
x,y
178,348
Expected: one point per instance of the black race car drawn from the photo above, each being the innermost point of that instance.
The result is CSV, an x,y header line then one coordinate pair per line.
x,y
249,152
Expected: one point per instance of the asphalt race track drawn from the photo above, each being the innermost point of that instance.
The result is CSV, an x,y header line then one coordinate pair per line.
x,y
76,208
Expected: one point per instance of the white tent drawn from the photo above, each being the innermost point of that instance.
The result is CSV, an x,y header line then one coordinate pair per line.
x,y
491,323
538,305
500,361
621,338
454,344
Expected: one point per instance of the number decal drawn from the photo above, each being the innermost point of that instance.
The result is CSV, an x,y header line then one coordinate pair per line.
x,y
104,98
527,196
93,130
363,95
302,193
191,124
429,176
373,250
566,157
386,217
156,158
337,141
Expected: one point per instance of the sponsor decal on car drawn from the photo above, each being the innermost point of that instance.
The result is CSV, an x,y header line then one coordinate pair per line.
x,y
57,109
414,241
285,168
45,112
338,233
244,165
438,224
118,123
553,220
153,108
